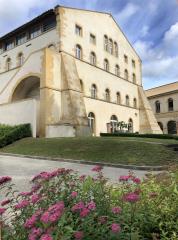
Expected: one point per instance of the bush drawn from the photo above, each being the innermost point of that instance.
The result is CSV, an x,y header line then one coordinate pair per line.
x,y
62,205
11,134
147,135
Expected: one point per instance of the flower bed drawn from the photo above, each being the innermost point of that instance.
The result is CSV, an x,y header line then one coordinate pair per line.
x,y
62,205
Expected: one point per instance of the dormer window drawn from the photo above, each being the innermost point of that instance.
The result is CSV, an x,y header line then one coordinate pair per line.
x,y
22,38
10,44
35,32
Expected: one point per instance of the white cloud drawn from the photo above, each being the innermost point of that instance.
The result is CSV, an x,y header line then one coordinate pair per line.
x,y
144,49
172,33
144,31
129,10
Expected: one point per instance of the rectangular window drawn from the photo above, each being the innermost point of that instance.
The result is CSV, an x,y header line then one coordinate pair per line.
x,y
22,38
125,59
92,39
133,63
10,45
78,30
35,31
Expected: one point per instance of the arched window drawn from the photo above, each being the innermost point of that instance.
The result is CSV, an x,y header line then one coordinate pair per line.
x,y
93,91
157,107
117,70
114,122
78,51
8,64
118,98
93,58
134,78
135,103
127,101
91,122
81,86
160,125
130,125
170,105
20,59
107,95
116,53
106,65
105,43
126,75
110,46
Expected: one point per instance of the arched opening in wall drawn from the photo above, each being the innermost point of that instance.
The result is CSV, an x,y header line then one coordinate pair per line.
x,y
27,88
130,125
160,125
171,127
91,122
114,122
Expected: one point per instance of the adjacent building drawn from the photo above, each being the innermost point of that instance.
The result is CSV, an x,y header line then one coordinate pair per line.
x,y
164,102
72,72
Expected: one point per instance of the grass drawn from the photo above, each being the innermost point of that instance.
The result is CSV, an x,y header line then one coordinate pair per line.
x,y
114,150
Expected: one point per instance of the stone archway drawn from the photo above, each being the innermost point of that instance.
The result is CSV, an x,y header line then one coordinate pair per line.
x,y
171,127
29,87
26,98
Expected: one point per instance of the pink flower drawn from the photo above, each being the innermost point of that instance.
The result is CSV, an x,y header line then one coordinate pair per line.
x,y
5,179
2,210
34,235
91,205
5,202
22,204
115,228
116,210
131,197
124,178
136,180
78,206
35,198
46,237
78,235
53,213
30,222
84,213
24,194
82,178
74,194
103,219
97,168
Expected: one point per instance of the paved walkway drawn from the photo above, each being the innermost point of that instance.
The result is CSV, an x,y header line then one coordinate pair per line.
x,y
23,169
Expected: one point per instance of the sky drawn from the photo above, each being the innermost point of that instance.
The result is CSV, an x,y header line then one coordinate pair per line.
x,y
150,25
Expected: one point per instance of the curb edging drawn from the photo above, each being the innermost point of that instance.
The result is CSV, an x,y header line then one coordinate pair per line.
x,y
130,167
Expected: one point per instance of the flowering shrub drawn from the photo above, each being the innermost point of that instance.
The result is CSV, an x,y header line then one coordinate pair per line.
x,y
62,205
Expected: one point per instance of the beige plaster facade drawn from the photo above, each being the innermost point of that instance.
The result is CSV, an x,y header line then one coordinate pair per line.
x,y
81,71
164,102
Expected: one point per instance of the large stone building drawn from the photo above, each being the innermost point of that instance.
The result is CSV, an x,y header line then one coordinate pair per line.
x,y
164,102
69,72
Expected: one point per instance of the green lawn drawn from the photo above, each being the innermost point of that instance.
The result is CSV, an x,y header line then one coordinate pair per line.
x,y
115,150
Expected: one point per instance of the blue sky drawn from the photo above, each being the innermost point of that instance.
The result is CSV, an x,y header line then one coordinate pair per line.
x,y
150,25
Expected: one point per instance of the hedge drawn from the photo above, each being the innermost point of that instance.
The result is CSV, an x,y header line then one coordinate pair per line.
x,y
147,135
11,134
